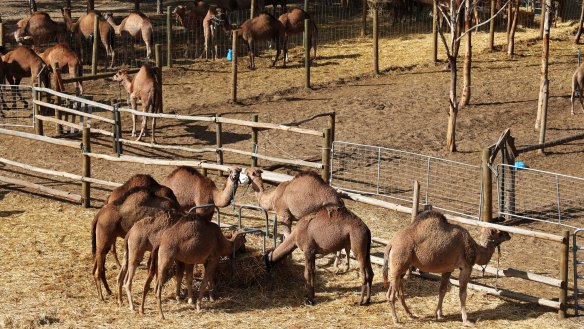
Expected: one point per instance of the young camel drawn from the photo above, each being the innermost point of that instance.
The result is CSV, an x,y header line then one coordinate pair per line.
x,y
193,189
293,22
135,23
40,28
23,62
328,230
67,59
146,88
578,85
262,27
192,240
215,18
115,220
83,30
432,244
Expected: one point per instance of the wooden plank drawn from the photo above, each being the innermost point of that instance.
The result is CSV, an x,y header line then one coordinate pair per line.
x,y
169,116
269,126
59,122
55,141
274,159
80,113
515,273
168,147
96,76
76,99
58,193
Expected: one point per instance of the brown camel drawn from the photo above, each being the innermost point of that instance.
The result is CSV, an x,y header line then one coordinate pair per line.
x,y
192,240
578,85
146,88
115,220
431,244
193,189
293,22
191,19
67,59
83,30
214,19
22,62
262,27
134,24
40,28
328,230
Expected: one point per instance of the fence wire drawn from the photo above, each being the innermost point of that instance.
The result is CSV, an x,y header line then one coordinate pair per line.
x,y
16,106
541,196
450,186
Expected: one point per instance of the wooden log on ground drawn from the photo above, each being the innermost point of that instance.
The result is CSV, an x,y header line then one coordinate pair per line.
x,y
51,191
55,141
553,143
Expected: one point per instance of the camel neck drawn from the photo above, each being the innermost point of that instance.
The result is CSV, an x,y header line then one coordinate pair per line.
x,y
222,198
485,251
111,22
127,83
69,22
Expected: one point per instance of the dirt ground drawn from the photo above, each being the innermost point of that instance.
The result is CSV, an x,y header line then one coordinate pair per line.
x,y
46,266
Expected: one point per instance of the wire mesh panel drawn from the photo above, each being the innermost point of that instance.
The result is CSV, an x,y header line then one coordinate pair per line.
x,y
541,196
15,106
447,185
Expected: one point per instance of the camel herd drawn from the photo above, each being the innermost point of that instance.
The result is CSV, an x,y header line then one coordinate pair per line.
x,y
168,221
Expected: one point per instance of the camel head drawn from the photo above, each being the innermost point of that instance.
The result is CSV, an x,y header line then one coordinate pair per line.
x,y
494,236
120,76
179,14
234,173
107,15
66,11
239,241
219,19
21,31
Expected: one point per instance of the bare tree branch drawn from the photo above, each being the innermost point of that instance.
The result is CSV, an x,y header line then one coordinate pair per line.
x,y
483,23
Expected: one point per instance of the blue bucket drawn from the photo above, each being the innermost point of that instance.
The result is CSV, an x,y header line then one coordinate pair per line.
x,y
519,165
229,55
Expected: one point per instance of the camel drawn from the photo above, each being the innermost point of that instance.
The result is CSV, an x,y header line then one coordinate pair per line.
x,y
83,30
578,85
192,240
115,220
67,59
293,22
431,244
193,189
327,230
40,28
23,62
262,27
146,88
215,18
191,20
133,24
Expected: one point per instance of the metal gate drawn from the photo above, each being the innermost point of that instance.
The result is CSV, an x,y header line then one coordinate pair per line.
x,y
575,249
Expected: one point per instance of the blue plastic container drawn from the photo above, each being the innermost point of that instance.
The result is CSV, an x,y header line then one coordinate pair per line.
x,y
229,55
519,165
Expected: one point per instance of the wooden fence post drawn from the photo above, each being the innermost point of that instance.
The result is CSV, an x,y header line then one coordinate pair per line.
x,y
492,27
114,127
86,169
326,155
253,8
543,123
158,55
435,32
59,127
94,49
564,258
487,211
254,141
37,109
234,66
375,39
204,172
332,124
1,32
118,119
306,53
218,132
416,200
158,7
363,18
168,37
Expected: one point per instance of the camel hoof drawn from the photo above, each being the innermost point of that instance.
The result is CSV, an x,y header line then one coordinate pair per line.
x,y
191,302
468,323
309,302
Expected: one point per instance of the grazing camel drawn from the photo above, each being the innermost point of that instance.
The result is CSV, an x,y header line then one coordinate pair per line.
x,y
83,30
22,62
40,28
132,25
432,244
146,88
293,22
328,230
193,189
262,27
215,18
115,220
67,59
578,85
192,240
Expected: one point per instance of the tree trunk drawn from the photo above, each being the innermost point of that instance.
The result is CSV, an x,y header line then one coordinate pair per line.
x,y
137,5
364,18
159,7
90,5
511,36
453,110
542,20
543,93
579,33
466,78
32,6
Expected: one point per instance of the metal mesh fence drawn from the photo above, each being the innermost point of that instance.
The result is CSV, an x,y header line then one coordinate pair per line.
x,y
15,106
541,196
450,186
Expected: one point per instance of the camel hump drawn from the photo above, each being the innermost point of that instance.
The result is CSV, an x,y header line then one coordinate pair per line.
x,y
187,169
431,214
136,189
310,173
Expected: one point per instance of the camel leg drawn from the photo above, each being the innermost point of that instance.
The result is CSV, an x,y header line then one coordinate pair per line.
x,y
251,53
143,130
122,276
278,51
391,292
286,219
572,99
402,298
134,107
189,272
309,269
163,264
131,261
210,267
580,97
178,277
464,278
443,287
149,279
146,37
153,110
113,251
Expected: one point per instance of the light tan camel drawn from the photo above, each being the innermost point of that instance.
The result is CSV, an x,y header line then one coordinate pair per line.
x,y
146,88
67,59
328,230
578,86
431,244
83,30
22,62
293,22
214,19
192,240
262,27
134,24
193,189
40,28
115,220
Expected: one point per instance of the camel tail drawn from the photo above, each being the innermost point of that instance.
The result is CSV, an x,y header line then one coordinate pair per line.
x,y
93,237
153,261
385,268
